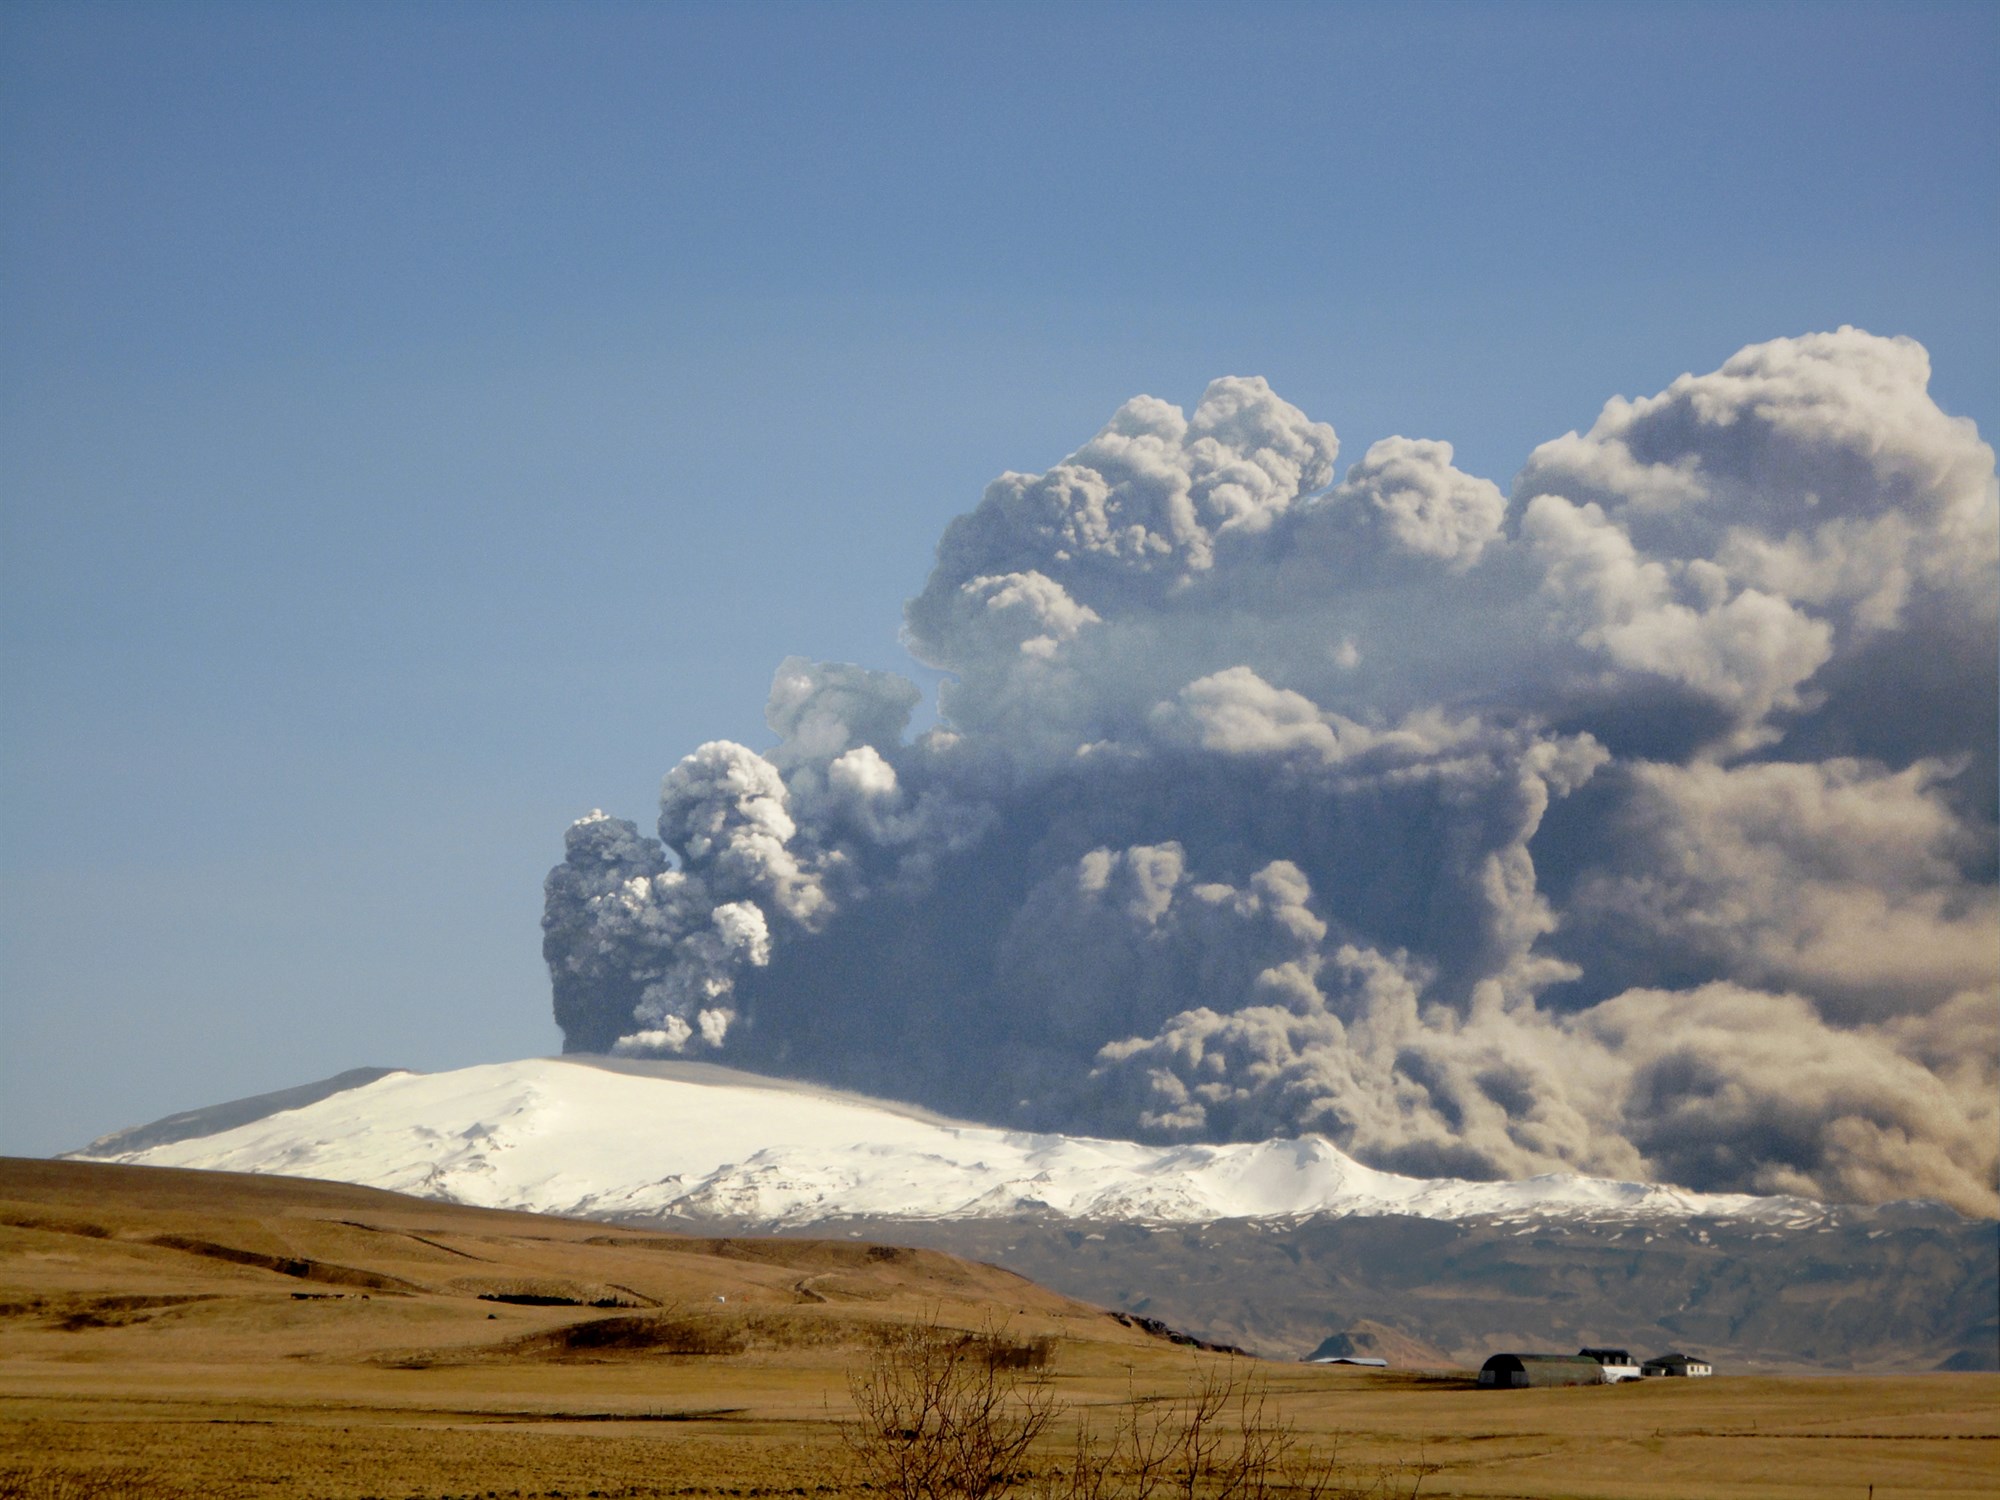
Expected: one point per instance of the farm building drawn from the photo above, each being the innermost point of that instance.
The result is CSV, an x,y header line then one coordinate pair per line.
x,y
1617,1364
1511,1371
1677,1364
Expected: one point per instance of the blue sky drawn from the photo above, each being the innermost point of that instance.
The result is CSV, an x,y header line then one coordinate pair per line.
x,y
421,424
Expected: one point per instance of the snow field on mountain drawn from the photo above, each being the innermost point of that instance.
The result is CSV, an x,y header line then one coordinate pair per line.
x,y
582,1136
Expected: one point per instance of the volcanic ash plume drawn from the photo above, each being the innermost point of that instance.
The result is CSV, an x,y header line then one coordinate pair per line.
x,y
1639,822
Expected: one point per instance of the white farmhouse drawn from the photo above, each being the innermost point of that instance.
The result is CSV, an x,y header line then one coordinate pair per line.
x,y
1677,1364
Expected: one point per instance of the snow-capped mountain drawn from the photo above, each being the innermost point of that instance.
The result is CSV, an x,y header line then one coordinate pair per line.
x,y
1273,1244
606,1138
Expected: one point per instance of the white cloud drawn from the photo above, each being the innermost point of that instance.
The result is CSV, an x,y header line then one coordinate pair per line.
x,y
1406,492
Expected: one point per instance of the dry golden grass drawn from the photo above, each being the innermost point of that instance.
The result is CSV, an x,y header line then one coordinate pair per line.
x,y
191,1334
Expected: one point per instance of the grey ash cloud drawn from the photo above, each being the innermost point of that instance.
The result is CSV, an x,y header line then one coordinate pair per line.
x,y
1640,820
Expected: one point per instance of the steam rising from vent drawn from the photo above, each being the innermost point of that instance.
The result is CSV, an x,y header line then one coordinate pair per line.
x,y
1641,823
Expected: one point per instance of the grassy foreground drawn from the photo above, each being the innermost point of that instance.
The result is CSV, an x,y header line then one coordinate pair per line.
x,y
170,1334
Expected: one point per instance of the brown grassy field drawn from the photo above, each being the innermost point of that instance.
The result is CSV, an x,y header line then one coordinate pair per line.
x,y
192,1334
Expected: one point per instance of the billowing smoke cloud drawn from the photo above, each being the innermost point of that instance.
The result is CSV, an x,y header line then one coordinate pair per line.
x,y
1641,821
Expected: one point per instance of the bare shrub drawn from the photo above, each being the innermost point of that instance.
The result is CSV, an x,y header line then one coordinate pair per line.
x,y
944,1414
1221,1438
1005,1353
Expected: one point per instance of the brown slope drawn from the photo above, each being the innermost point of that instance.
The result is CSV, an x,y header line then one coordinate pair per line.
x,y
159,1263
134,1367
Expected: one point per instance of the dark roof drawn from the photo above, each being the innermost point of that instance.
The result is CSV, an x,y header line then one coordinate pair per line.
x,y
1514,1370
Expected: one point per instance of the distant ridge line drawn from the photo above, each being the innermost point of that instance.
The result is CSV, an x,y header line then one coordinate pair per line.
x,y
190,1124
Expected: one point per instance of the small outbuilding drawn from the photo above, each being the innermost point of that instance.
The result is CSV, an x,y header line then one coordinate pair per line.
x,y
1676,1364
1512,1371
